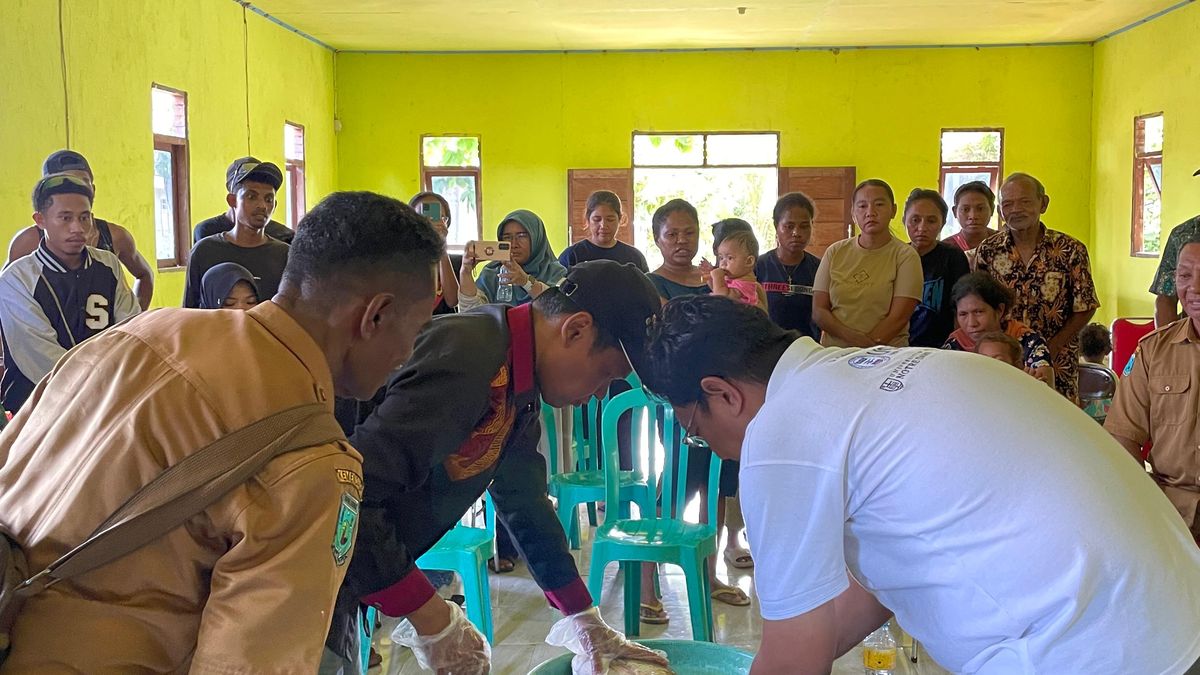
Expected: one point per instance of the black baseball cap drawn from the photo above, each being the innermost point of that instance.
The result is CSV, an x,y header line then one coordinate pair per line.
x,y
65,160
620,299
60,184
250,168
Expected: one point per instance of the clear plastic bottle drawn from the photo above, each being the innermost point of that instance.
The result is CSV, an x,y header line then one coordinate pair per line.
x,y
504,293
879,652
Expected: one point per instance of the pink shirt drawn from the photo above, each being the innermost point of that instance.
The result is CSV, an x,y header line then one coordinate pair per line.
x,y
747,290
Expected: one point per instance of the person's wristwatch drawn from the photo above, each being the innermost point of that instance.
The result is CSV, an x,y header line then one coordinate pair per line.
x,y
528,285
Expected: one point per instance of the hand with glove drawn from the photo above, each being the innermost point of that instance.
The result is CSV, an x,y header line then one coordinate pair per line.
x,y
597,645
458,649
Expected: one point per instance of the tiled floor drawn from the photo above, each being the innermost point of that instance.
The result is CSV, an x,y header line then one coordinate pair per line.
x,y
522,620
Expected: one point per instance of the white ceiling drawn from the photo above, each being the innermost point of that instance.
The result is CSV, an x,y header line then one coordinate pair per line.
x,y
554,25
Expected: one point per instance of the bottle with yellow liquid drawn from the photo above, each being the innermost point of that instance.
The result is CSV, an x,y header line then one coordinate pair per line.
x,y
879,652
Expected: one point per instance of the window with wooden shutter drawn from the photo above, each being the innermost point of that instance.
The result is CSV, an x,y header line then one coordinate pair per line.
x,y
831,190
581,183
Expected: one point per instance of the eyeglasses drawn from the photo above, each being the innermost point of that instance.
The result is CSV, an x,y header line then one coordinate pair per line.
x,y
690,439
520,236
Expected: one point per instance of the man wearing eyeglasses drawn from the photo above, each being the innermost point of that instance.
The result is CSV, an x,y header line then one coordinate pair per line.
x,y
463,416
1004,548
61,294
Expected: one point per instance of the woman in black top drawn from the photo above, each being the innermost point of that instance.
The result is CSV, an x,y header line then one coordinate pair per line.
x,y
787,271
604,221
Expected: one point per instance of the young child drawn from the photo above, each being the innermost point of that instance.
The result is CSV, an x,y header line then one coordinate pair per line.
x,y
1002,347
1095,344
734,274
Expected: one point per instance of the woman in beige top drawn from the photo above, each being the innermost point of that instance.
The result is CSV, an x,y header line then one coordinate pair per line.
x,y
868,286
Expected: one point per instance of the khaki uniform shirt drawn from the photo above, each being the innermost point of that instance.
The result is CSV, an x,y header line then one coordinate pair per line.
x,y
1159,400
246,586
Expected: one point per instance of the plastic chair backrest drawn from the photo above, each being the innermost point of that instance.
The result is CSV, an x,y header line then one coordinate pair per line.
x,y
550,430
1096,382
489,516
1126,333
587,420
660,425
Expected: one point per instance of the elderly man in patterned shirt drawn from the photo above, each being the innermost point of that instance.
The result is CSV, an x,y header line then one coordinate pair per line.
x,y
1047,270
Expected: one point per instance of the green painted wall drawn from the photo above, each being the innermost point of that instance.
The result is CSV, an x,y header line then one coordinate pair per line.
x,y
115,50
1152,68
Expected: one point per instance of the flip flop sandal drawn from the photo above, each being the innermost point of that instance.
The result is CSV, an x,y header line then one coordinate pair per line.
x,y
653,614
739,557
502,565
731,596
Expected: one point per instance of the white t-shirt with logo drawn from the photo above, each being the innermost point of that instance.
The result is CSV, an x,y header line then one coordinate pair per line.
x,y
1007,531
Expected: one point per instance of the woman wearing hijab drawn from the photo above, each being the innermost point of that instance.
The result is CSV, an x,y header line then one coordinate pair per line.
x,y
532,270
228,286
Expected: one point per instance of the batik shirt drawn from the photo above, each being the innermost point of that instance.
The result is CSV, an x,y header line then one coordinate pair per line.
x,y
1164,279
1056,283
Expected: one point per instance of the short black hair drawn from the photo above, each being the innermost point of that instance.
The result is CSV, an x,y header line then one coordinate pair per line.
x,y
358,235
723,228
422,196
660,216
987,287
873,182
791,201
553,302
744,237
978,187
703,336
1095,342
919,194
602,197
1016,352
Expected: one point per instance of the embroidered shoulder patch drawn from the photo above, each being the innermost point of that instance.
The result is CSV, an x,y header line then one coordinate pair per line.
x,y
347,529
348,477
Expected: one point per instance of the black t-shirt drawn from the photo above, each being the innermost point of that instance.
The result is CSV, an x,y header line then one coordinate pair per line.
x,y
265,262
934,318
222,223
584,250
789,291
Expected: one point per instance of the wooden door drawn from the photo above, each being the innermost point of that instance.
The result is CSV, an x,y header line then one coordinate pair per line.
x,y
831,190
581,183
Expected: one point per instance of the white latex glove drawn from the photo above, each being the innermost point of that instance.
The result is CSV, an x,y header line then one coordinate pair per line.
x,y
459,649
596,644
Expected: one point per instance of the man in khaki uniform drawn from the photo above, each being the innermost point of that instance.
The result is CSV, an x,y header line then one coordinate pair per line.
x,y
247,585
1159,400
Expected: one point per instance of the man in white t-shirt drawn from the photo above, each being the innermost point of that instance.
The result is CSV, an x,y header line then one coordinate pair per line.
x,y
1002,526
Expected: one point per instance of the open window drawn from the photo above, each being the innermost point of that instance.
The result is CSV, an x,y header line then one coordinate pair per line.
x,y
451,166
725,175
172,226
969,155
1146,239
294,185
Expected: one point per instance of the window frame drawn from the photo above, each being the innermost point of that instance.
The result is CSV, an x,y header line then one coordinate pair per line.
x,y
994,169
704,164
1141,161
180,185
428,173
294,171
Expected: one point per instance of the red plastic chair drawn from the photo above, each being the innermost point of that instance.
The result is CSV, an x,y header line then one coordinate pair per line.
x,y
1126,333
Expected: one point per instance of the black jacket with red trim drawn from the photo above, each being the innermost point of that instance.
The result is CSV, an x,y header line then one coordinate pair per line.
x,y
462,416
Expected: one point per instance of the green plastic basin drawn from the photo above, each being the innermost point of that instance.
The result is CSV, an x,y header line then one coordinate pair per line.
x,y
687,658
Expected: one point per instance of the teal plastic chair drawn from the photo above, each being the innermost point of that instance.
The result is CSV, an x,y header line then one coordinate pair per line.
x,y
685,657
666,538
585,485
466,550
